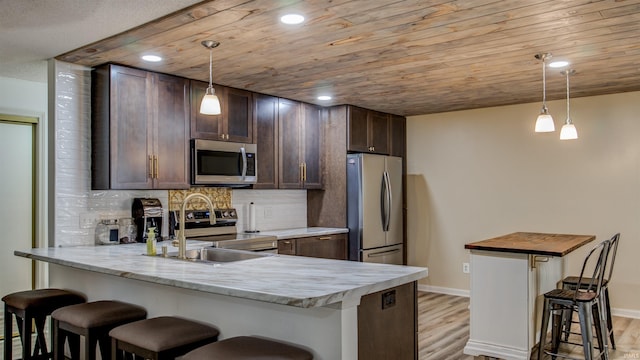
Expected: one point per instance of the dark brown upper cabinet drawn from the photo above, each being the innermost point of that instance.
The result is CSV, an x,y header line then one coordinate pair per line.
x,y
300,145
140,129
367,131
397,135
266,137
235,123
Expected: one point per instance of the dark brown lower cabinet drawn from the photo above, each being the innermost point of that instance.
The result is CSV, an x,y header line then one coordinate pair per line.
x,y
387,324
327,246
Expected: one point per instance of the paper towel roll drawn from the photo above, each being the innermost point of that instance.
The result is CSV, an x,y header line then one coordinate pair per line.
x,y
252,217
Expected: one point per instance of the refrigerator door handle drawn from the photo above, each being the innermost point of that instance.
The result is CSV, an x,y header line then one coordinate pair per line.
x,y
385,201
383,253
388,199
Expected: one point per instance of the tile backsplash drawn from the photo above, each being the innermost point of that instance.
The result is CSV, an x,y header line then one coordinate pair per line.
x,y
274,209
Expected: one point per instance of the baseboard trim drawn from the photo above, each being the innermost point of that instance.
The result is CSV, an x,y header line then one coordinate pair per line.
x,y
443,290
477,348
627,313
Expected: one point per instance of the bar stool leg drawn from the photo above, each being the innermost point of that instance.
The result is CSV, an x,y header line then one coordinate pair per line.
x,y
41,342
585,329
607,306
25,335
8,333
543,330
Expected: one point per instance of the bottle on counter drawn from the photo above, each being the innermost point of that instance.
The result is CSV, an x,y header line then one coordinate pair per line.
x,y
151,241
127,230
107,232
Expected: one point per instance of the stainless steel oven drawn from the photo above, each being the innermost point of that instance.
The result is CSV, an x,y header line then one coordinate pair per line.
x,y
223,163
223,234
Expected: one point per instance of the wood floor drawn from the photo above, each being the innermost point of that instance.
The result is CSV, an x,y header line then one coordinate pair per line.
x,y
443,324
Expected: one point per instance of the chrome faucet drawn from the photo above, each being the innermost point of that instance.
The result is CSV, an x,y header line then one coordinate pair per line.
x,y
182,240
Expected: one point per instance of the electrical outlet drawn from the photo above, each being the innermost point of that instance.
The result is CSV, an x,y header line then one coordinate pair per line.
x,y
465,268
88,220
268,212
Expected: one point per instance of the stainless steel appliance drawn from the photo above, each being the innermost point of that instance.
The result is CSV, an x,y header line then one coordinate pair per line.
x,y
147,213
223,233
374,208
223,163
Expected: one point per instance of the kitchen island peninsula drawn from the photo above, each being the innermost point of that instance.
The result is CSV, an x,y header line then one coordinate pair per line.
x,y
336,309
509,276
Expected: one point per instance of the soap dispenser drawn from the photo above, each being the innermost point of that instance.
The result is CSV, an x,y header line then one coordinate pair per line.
x,y
151,241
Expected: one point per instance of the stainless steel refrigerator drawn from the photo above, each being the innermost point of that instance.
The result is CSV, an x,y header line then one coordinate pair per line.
x,y
374,208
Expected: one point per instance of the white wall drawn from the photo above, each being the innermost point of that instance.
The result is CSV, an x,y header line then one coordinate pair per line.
x,y
75,207
28,98
482,173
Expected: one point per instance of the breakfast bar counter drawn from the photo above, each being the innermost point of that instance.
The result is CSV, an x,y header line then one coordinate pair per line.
x,y
308,301
509,276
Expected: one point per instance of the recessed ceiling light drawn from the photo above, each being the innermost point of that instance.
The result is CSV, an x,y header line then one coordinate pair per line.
x,y
324,97
292,19
558,64
151,58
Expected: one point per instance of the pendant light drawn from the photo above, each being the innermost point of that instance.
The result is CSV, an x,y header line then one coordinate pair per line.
x,y
568,131
544,123
210,104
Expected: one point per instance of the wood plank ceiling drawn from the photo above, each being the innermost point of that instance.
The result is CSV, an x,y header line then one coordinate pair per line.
x,y
404,57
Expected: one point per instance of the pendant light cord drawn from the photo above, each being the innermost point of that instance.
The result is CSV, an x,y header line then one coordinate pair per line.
x,y
544,83
568,116
210,68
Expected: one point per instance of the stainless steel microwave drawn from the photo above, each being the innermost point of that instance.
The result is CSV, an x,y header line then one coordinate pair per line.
x,y
223,163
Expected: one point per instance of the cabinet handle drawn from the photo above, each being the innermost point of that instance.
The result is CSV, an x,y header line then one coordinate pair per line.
x,y
286,242
155,166
301,172
227,136
304,172
151,166
324,238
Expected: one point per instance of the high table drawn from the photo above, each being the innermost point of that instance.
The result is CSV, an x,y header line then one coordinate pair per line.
x,y
509,276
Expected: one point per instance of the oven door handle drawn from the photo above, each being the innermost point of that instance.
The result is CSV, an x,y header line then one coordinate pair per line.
x,y
244,162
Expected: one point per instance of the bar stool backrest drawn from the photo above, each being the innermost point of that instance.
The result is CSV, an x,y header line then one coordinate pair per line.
x,y
613,250
597,258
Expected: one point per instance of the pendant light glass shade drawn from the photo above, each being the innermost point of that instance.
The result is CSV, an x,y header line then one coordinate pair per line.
x,y
568,131
210,103
544,123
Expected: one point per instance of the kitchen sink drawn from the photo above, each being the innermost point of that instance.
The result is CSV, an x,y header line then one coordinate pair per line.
x,y
216,255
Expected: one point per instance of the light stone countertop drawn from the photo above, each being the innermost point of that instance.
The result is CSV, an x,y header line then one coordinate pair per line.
x,y
289,280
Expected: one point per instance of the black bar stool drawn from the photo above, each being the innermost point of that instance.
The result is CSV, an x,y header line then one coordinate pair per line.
x,y
33,306
248,347
160,338
571,282
586,300
93,321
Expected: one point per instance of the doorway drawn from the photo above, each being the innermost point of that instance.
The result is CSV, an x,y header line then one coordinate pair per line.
x,y
18,197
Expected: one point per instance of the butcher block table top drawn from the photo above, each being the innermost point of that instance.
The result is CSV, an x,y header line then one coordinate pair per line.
x,y
533,243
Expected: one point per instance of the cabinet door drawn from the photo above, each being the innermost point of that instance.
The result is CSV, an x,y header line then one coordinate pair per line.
x,y
357,130
171,149
397,137
266,115
387,324
378,128
131,124
206,126
287,247
313,145
238,115
290,143
328,247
